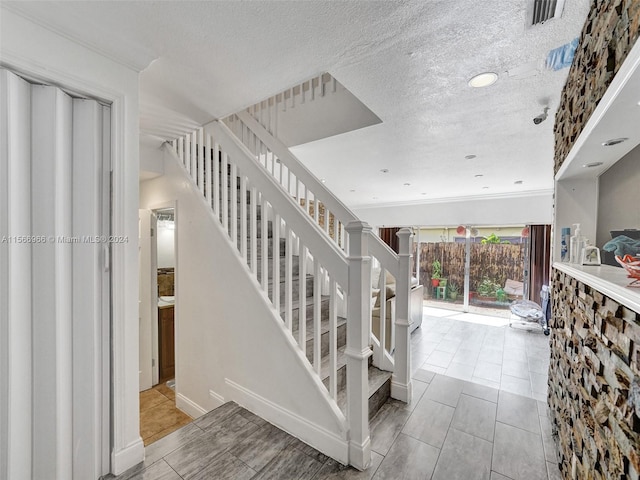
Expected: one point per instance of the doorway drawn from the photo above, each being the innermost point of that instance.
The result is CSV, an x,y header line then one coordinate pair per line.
x,y
158,302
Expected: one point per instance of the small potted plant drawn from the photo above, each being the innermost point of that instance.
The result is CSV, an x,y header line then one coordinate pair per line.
x,y
487,289
454,288
436,273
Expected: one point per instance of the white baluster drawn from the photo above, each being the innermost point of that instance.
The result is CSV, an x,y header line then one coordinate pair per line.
x,y
264,257
382,328
317,314
275,122
302,299
253,227
224,172
187,153
333,339
293,96
208,166
216,180
321,85
358,350
276,262
233,234
307,207
200,151
401,380
288,281
326,221
194,158
273,164
303,95
243,216
316,210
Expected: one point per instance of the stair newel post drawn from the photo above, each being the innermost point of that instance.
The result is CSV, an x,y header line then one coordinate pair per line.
x,y
401,380
358,349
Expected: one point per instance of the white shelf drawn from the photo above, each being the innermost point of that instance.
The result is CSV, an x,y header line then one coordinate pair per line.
x,y
611,281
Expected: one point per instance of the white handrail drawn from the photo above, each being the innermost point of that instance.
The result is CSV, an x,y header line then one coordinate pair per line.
x,y
301,172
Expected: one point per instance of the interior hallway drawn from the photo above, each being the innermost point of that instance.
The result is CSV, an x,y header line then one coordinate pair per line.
x,y
453,429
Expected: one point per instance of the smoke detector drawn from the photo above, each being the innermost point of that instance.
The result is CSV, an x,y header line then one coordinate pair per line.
x,y
539,11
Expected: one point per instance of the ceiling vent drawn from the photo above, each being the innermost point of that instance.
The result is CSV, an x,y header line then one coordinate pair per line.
x,y
539,11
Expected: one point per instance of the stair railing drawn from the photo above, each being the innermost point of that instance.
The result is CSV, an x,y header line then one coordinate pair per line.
x,y
234,185
332,216
267,111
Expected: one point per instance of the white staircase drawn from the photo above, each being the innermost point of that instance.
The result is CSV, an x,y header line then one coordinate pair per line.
x,y
312,259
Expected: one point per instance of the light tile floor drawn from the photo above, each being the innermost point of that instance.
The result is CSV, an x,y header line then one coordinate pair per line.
x,y
483,350
455,428
159,415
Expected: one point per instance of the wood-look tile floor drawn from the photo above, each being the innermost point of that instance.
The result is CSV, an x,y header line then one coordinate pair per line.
x,y
158,414
452,429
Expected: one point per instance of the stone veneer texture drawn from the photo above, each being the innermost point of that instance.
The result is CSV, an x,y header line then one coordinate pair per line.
x,y
594,382
610,31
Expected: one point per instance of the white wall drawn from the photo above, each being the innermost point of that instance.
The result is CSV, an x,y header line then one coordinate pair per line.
x,y
32,49
522,210
579,201
619,197
166,245
230,345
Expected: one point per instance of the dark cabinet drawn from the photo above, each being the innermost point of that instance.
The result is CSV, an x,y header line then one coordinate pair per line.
x,y
166,340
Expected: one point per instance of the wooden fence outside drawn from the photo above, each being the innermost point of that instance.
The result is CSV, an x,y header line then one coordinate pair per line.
x,y
498,262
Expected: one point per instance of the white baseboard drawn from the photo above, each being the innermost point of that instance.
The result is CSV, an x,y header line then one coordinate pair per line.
x,y
401,391
124,459
189,407
216,398
329,443
360,455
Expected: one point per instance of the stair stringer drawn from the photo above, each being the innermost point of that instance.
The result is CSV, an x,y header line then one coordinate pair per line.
x,y
239,352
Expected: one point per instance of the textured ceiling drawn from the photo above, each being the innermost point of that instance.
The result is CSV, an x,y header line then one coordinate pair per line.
x,y
408,61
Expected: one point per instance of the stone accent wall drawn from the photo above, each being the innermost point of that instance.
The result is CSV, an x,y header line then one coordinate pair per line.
x,y
594,382
610,31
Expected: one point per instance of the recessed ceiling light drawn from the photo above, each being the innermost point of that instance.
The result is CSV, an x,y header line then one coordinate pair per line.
x,y
384,170
323,180
407,184
375,198
352,191
423,193
614,141
483,80
592,164
518,182
478,175
485,188
469,157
